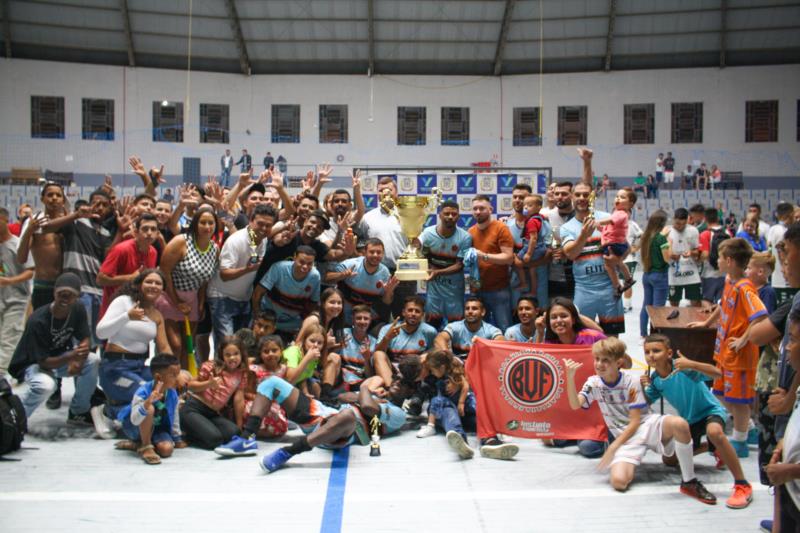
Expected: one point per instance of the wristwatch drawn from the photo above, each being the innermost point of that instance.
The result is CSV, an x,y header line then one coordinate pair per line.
x,y
486,257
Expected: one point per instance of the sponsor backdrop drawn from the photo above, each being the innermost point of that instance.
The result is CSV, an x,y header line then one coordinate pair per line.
x,y
459,186
521,390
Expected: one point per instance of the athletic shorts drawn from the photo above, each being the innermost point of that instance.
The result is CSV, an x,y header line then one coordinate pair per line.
x,y
669,176
602,306
736,386
712,288
690,292
310,414
438,307
616,248
699,428
647,437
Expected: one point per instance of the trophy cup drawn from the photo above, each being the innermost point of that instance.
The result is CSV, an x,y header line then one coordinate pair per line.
x,y
411,212
375,438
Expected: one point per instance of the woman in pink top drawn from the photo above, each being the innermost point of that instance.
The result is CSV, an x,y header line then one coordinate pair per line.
x,y
203,418
614,239
562,324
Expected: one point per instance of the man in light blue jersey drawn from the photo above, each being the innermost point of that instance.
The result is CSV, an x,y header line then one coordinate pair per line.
x,y
410,336
444,246
354,361
365,280
460,334
291,290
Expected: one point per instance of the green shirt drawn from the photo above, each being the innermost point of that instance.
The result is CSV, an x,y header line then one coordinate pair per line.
x,y
293,355
657,263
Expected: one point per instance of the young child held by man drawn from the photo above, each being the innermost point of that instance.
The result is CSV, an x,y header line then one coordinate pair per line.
x,y
151,421
682,382
736,357
635,430
614,240
534,246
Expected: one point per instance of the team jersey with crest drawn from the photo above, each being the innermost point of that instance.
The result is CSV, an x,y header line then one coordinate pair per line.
x,y
405,343
461,336
442,252
354,353
615,399
290,298
739,306
588,268
363,288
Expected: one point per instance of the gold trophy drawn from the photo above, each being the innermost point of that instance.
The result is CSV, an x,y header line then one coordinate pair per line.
x,y
375,430
411,212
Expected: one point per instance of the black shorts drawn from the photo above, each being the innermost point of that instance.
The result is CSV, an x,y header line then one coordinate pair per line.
x,y
698,429
616,248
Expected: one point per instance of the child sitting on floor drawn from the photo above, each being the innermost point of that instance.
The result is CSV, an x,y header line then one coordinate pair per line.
x,y
151,420
682,382
635,430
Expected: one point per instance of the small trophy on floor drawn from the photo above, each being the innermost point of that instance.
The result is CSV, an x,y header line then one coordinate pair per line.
x,y
375,438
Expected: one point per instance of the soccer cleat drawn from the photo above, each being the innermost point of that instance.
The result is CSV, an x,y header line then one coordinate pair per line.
x,y
696,490
741,448
752,436
741,497
103,426
275,460
428,430
494,449
237,447
459,445
79,420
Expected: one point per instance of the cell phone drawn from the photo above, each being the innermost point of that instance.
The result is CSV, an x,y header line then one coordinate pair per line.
x,y
673,315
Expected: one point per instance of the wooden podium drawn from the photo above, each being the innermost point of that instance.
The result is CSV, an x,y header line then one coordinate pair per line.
x,y
694,343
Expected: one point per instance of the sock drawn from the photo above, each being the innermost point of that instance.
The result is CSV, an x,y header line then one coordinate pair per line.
x,y
626,302
741,482
741,436
251,426
750,424
685,455
299,446
326,390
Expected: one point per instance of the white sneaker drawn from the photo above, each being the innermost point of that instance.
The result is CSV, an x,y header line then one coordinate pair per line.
x,y
459,445
428,430
103,425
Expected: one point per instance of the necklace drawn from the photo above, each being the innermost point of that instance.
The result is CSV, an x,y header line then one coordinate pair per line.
x,y
56,332
196,247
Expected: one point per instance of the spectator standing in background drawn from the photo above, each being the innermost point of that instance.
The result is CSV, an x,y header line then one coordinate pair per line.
x,y
245,162
660,169
268,161
226,162
669,169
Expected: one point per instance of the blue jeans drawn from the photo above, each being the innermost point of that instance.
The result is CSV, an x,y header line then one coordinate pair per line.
x,y
591,449
41,383
542,295
498,307
119,379
91,302
446,413
228,316
656,287
224,177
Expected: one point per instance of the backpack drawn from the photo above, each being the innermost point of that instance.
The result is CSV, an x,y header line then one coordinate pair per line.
x,y
13,422
717,236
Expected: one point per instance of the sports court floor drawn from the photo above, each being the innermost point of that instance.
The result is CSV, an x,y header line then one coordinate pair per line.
x,y
69,481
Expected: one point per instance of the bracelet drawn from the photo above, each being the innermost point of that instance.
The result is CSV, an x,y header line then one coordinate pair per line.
x,y
486,257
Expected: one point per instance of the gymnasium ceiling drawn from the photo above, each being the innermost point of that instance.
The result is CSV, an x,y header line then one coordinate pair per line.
x,y
470,37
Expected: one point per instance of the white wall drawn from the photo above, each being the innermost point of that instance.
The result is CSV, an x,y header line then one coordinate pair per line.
x,y
491,101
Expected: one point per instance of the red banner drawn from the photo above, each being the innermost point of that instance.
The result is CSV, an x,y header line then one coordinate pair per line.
x,y
521,390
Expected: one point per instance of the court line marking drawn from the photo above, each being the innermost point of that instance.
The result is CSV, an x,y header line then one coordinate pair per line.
x,y
334,499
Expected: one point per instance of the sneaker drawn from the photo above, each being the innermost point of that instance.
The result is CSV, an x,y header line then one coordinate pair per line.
x,y
291,425
459,445
428,430
275,460
103,425
696,490
237,446
412,406
752,436
741,497
741,448
720,464
54,401
494,449
766,526
79,420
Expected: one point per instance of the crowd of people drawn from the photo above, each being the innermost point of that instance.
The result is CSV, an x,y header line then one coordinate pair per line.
x,y
311,326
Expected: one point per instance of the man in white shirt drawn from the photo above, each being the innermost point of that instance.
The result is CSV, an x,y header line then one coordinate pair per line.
x,y
684,270
226,162
783,291
763,227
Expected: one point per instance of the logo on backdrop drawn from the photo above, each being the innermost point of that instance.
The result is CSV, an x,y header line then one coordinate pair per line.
x,y
531,380
369,184
505,204
407,184
426,183
448,184
370,201
467,184
505,183
466,203
487,184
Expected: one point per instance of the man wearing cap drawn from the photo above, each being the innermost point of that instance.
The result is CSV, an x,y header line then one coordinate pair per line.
x,y
286,239
48,350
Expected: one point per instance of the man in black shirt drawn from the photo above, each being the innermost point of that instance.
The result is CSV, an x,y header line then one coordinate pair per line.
x,y
47,350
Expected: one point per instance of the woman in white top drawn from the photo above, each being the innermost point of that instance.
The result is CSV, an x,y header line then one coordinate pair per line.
x,y
129,324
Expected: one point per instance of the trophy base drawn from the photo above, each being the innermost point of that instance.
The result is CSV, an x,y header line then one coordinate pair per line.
x,y
412,269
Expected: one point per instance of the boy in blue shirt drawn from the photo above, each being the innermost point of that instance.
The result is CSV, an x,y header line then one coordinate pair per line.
x,y
682,382
151,420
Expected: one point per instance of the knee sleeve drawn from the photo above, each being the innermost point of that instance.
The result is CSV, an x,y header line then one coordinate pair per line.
x,y
274,383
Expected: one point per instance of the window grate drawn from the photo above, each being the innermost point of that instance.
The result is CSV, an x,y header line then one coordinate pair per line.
x,y
572,125
455,126
285,124
214,123
411,124
47,117
687,123
168,122
333,124
527,127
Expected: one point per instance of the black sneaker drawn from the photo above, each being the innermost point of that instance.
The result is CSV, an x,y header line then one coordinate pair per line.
x,y
54,401
80,420
696,490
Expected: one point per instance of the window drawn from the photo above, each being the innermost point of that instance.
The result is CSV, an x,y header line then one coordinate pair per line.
x,y
762,122
286,123
47,117
98,119
572,125
214,126
168,122
687,123
411,123
333,124
455,126
640,120
527,129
